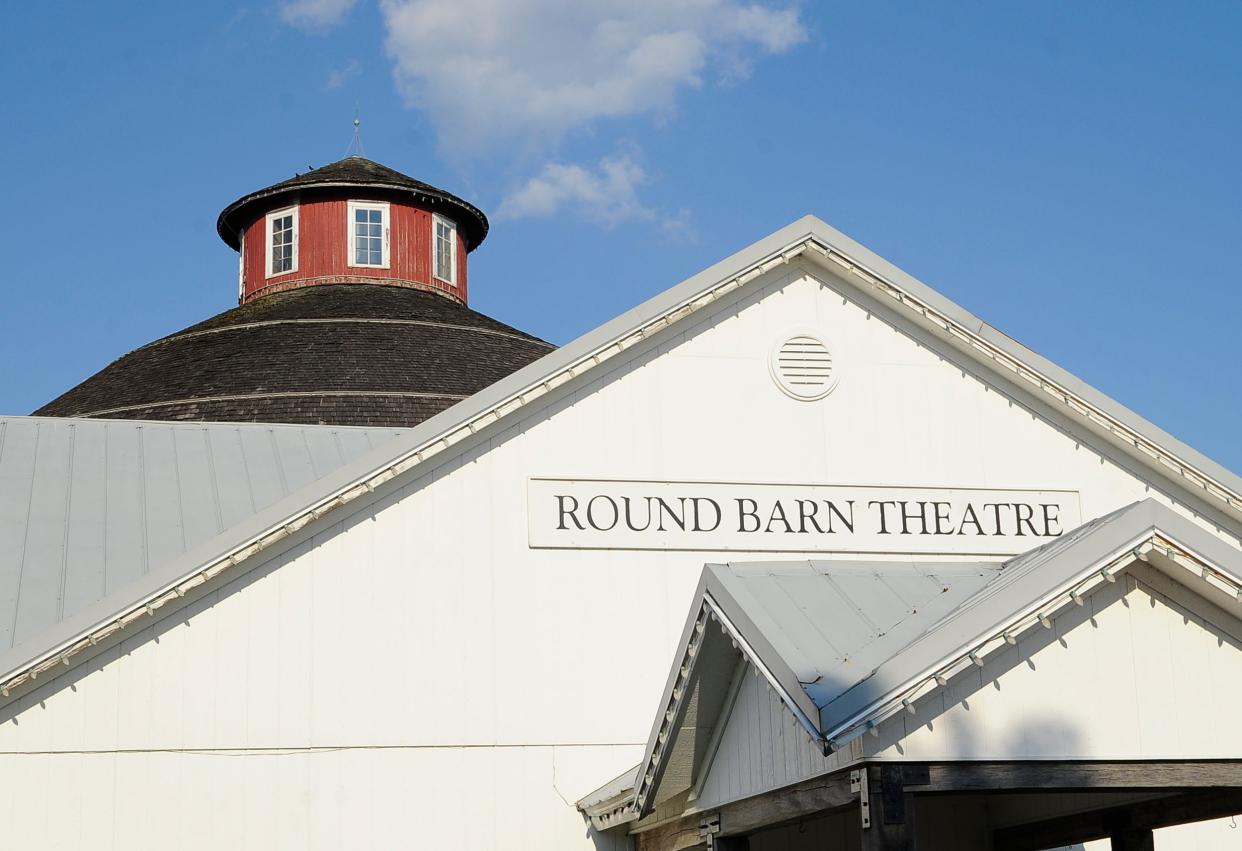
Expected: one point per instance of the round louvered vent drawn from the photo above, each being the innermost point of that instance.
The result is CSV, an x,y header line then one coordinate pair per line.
x,y
802,367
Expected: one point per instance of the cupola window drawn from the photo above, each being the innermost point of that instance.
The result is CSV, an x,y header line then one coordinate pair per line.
x,y
368,234
445,250
282,242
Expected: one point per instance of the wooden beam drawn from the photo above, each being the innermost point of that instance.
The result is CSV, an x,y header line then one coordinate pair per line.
x,y
1128,821
1067,776
743,817
676,835
892,811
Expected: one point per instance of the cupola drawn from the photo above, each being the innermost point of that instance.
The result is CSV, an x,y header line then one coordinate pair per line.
x,y
352,312
352,222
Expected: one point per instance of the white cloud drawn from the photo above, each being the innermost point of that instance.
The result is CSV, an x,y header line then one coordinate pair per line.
x,y
338,77
606,195
315,14
493,72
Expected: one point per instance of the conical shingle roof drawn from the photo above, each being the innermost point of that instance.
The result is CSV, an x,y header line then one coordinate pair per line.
x,y
344,354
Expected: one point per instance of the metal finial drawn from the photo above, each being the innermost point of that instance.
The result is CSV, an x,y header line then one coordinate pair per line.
x,y
355,146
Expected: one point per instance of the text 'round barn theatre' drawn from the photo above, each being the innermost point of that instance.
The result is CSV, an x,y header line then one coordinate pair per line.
x,y
353,291
797,554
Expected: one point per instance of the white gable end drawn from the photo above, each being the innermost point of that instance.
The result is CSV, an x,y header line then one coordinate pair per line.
x,y
417,643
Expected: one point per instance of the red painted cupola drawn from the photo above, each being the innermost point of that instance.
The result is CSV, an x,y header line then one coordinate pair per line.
x,y
353,312
352,222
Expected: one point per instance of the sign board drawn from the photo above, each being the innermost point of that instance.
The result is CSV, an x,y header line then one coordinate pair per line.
x,y
605,514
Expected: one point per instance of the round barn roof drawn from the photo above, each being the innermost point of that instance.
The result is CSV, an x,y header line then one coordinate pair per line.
x,y
353,171
349,354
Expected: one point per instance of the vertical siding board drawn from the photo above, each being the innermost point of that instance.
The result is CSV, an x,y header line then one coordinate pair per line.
x,y
763,720
1157,712
462,275
780,747
1196,723
1112,668
760,724
758,727
254,274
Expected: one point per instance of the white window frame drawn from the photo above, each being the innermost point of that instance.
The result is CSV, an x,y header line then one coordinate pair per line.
x,y
241,268
437,219
267,239
385,223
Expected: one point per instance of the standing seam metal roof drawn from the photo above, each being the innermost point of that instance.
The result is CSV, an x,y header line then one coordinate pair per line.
x,y
88,507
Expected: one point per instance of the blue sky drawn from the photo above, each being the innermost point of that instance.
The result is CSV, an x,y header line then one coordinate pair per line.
x,y
1070,172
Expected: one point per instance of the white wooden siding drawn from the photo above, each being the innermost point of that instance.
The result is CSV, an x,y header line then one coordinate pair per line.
x,y
423,647
763,747
1144,670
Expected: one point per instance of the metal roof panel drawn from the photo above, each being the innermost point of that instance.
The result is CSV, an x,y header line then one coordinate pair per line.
x,y
89,506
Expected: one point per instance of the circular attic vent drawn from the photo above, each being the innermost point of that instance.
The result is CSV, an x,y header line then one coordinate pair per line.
x,y
802,367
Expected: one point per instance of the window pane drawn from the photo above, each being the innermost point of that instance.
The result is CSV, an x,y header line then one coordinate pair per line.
x,y
375,230
360,215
